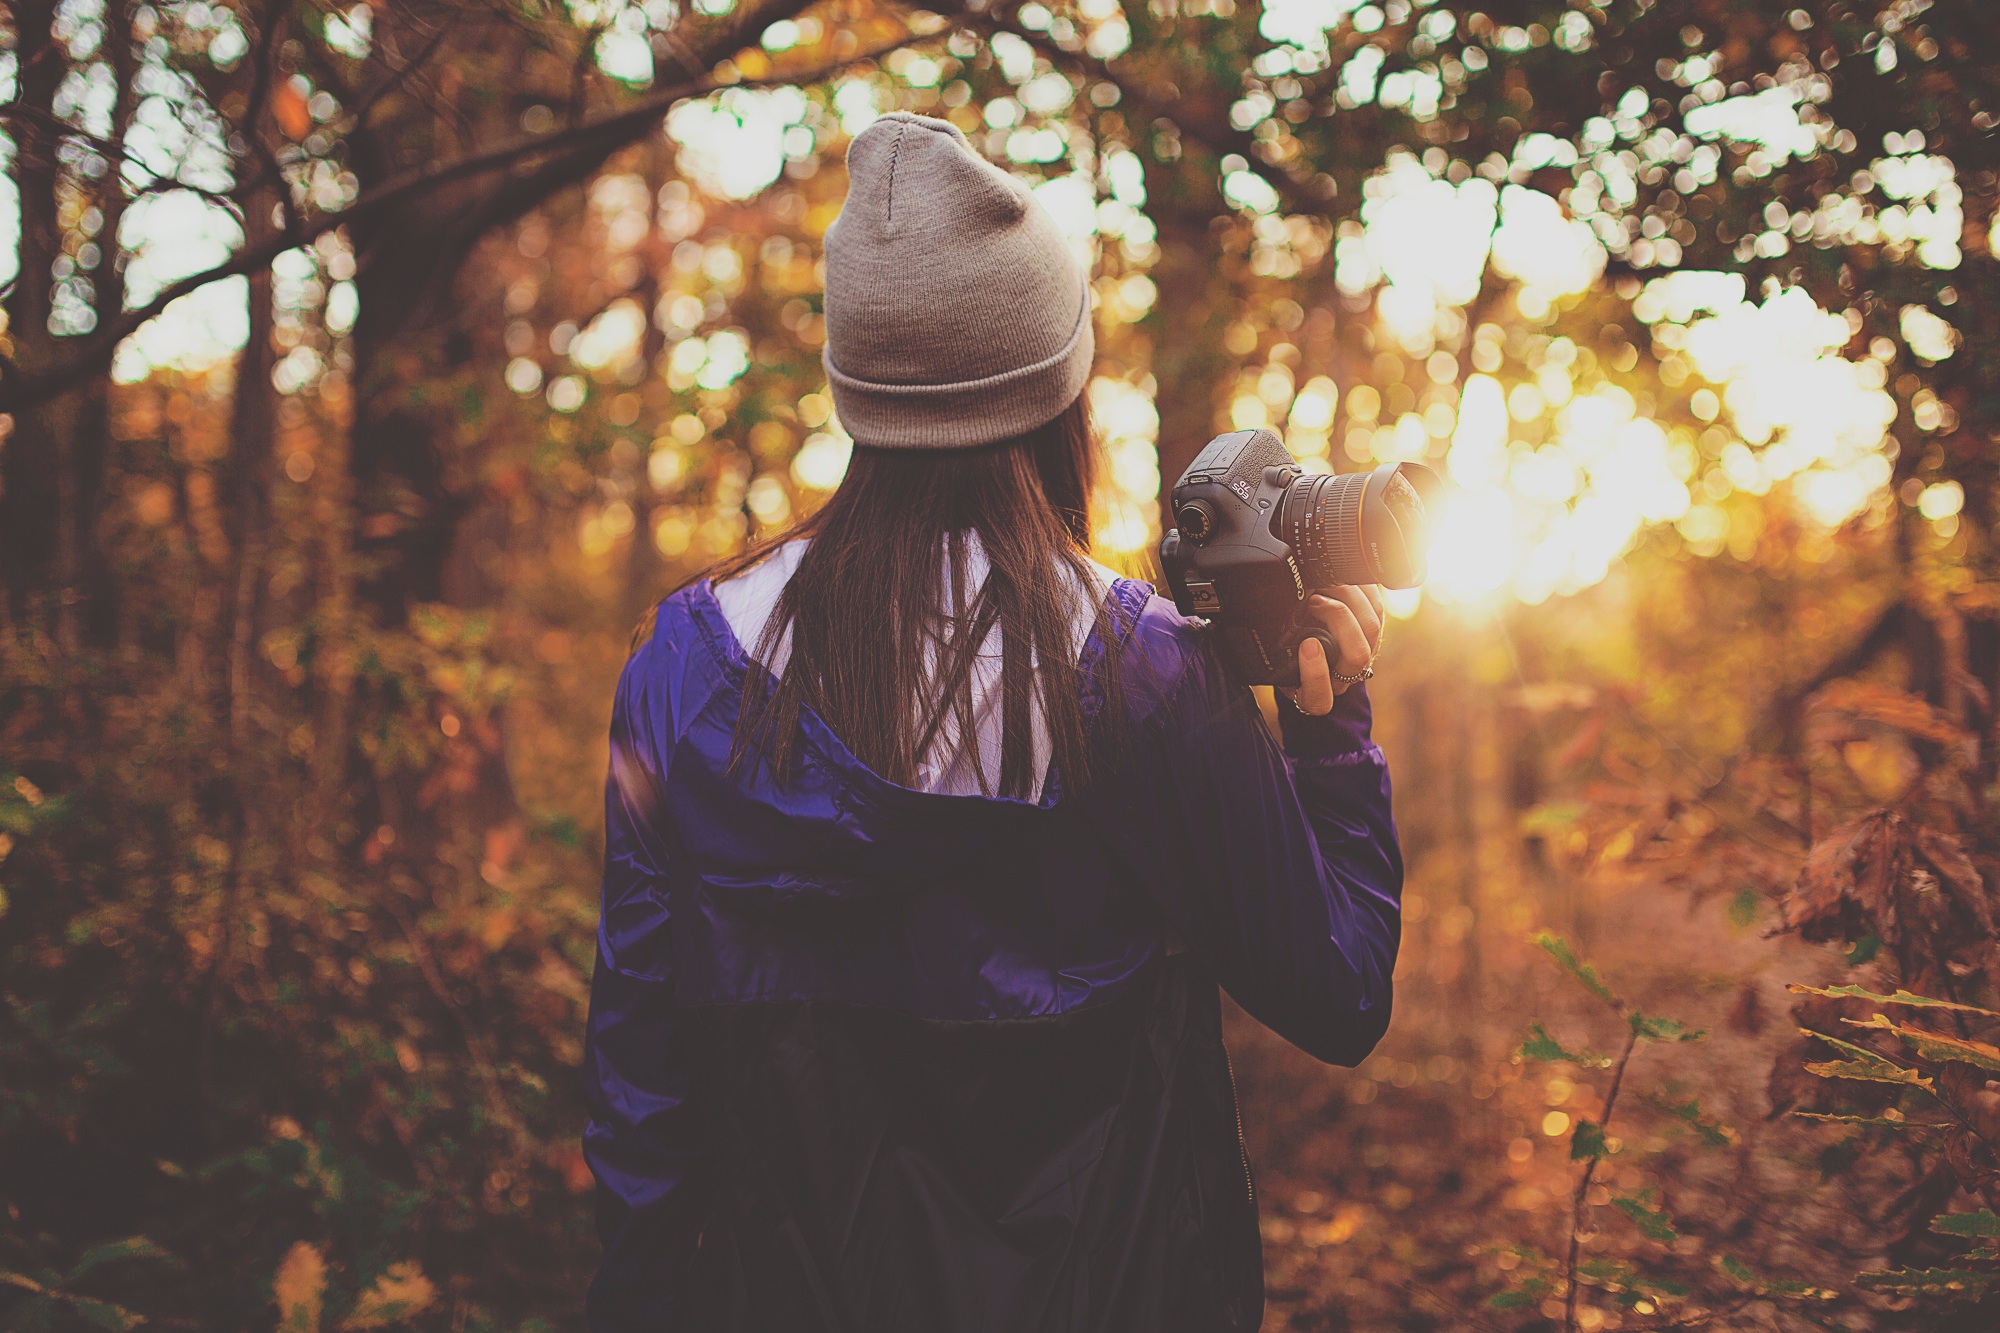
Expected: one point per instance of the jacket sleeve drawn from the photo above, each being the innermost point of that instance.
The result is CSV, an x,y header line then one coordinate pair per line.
x,y
640,1142
1280,867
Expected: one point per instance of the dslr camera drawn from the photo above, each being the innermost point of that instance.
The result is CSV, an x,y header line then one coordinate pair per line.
x,y
1255,535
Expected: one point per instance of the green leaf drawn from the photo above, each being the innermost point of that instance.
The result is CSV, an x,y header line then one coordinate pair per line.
x,y
1866,1066
1663,1029
1935,1046
1586,975
1611,1274
1962,1283
1708,1129
1982,1225
1864,950
1588,1142
104,1314
1896,997
1541,1046
1652,1222
135,1247
1552,816
1743,910
1509,1300
562,830
1744,1275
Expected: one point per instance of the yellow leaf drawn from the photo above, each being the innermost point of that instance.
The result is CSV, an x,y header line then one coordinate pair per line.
x,y
1900,997
300,1287
1936,1045
397,1294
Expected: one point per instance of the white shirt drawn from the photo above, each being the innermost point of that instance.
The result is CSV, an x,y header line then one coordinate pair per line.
x,y
749,600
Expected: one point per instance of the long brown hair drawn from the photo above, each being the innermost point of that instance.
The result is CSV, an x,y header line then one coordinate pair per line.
x,y
870,606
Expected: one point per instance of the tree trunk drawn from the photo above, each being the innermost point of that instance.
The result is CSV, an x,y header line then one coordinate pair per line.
x,y
87,570
1191,366
32,464
252,428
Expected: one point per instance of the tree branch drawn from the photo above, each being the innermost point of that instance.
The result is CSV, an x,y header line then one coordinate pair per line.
x,y
602,134
400,74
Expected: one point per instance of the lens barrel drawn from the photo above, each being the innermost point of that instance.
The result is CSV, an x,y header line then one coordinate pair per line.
x,y
1319,518
1359,527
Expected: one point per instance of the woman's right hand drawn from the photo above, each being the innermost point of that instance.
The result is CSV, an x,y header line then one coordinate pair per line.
x,y
1353,615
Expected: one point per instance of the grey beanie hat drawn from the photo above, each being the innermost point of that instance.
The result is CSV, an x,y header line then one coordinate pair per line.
x,y
955,316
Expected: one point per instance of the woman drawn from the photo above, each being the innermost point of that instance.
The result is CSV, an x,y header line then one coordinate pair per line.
x,y
888,1032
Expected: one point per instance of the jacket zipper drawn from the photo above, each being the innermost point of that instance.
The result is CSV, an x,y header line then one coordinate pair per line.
x,y
1242,1151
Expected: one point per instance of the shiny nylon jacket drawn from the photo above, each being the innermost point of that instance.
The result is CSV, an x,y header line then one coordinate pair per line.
x,y
865,1059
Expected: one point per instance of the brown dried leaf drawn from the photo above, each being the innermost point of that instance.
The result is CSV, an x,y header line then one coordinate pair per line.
x,y
1907,713
1847,888
1972,1162
1956,873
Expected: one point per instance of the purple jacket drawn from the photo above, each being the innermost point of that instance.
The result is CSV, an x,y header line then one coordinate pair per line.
x,y
866,1058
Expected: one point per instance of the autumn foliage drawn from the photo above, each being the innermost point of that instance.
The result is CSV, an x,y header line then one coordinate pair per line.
x,y
310,625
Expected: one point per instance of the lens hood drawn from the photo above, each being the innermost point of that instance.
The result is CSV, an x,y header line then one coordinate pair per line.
x,y
1394,520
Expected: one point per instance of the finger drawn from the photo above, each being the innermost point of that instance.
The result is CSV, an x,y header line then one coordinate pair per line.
x,y
1355,598
1372,592
1315,692
1376,599
1352,651
1365,614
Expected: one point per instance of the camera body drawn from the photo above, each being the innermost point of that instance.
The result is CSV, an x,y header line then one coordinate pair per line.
x,y
1255,535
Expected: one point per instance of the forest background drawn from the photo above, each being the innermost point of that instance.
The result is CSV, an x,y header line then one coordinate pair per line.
x,y
371,367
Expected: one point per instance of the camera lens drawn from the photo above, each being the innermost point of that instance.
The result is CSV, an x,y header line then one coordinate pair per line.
x,y
1359,527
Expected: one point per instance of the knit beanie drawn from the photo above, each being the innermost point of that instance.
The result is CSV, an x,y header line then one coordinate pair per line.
x,y
955,316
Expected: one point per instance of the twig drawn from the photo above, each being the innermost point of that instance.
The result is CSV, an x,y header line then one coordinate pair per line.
x,y
400,74
1449,1306
1590,1173
170,185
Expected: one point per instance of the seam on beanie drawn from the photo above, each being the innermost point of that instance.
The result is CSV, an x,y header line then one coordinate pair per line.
x,y
895,152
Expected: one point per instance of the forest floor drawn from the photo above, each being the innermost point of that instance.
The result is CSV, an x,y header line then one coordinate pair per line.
x,y
1404,1194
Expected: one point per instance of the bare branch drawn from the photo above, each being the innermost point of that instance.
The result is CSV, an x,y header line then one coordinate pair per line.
x,y
400,75
104,146
169,185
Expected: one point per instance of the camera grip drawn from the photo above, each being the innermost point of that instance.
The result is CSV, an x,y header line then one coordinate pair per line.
x,y
1331,653
1269,654
1286,669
